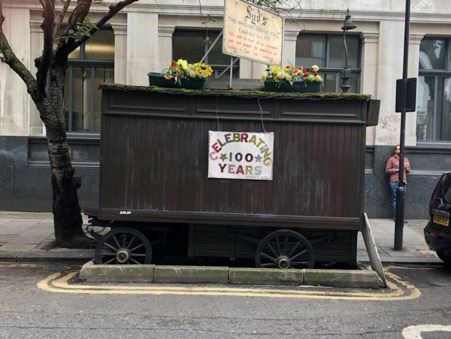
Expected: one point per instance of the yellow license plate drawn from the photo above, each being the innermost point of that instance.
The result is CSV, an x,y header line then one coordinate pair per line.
x,y
440,220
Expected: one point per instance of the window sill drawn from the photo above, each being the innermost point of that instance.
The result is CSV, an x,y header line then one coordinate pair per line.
x,y
434,144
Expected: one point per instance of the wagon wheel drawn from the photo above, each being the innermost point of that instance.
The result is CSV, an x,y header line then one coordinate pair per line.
x,y
123,245
285,249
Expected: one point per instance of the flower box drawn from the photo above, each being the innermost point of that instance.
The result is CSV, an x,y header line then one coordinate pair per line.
x,y
292,79
298,86
156,79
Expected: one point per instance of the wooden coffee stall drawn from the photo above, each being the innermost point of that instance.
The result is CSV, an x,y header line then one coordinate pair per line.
x,y
155,187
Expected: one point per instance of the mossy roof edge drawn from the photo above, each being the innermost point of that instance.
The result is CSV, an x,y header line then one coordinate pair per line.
x,y
241,93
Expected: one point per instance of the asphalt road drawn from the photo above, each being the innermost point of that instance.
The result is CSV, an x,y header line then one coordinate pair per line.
x,y
28,311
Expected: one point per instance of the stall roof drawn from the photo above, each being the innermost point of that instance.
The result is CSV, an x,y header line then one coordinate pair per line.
x,y
243,93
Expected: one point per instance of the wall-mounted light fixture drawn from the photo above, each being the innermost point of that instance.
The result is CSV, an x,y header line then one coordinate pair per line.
x,y
346,73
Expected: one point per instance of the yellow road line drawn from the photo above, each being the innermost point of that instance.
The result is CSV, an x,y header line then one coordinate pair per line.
x,y
398,290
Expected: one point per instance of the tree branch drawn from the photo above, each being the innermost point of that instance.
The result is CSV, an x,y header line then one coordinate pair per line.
x,y
79,13
114,9
12,61
60,19
2,18
68,47
48,29
16,65
42,3
78,16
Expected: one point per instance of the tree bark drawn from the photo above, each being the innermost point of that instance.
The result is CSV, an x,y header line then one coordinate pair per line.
x,y
66,209
47,92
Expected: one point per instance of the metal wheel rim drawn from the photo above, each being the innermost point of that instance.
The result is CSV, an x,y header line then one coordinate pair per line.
x,y
123,245
285,249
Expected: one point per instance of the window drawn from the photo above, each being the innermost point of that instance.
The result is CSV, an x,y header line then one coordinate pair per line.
x,y
328,52
89,66
434,90
193,44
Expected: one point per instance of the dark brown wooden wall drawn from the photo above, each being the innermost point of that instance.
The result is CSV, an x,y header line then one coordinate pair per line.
x,y
155,162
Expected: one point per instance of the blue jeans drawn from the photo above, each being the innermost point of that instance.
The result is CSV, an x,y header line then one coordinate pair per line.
x,y
393,189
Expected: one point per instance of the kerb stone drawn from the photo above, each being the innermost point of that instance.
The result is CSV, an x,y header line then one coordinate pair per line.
x,y
191,274
265,276
341,278
117,273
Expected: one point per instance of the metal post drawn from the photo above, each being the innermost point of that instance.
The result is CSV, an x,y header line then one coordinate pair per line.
x,y
211,47
231,73
346,73
373,253
346,49
400,193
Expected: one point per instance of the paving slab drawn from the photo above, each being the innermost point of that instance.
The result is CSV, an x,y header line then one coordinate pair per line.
x,y
17,226
414,250
4,238
17,247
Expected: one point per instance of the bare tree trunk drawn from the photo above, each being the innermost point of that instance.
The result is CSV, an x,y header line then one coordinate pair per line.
x,y
66,209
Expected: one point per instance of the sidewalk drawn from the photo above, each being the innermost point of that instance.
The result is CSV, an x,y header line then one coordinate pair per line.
x,y
29,236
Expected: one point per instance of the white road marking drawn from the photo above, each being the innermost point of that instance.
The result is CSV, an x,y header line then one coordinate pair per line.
x,y
414,332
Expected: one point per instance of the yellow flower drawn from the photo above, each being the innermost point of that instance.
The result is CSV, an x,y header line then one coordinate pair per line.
x,y
290,74
191,72
275,69
183,64
202,70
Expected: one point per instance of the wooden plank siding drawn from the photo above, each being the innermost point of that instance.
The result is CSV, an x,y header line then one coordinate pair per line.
x,y
154,159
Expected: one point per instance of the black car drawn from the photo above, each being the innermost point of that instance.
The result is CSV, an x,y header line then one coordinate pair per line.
x,y
437,232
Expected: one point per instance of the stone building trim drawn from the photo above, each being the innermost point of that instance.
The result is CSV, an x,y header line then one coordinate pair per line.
x,y
415,38
165,37
166,31
120,52
289,46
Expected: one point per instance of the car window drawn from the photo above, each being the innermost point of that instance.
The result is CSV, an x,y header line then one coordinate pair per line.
x,y
446,187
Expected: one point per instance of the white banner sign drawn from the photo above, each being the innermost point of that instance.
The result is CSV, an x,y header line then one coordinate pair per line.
x,y
240,155
252,33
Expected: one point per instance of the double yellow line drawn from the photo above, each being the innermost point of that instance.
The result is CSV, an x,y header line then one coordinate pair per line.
x,y
398,289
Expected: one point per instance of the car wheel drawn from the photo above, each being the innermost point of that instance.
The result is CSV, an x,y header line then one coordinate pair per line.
x,y
445,256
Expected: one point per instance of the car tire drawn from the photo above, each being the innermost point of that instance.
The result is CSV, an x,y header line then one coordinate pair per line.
x,y
445,256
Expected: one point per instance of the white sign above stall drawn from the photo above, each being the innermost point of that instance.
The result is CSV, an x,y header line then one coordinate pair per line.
x,y
252,33
240,155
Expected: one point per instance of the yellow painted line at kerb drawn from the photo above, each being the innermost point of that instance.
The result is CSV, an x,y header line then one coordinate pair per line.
x,y
398,290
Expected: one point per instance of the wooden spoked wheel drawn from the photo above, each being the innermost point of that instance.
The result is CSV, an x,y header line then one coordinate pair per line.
x,y
123,245
285,249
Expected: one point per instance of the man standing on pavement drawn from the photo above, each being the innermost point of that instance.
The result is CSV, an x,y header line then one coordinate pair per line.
x,y
392,169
